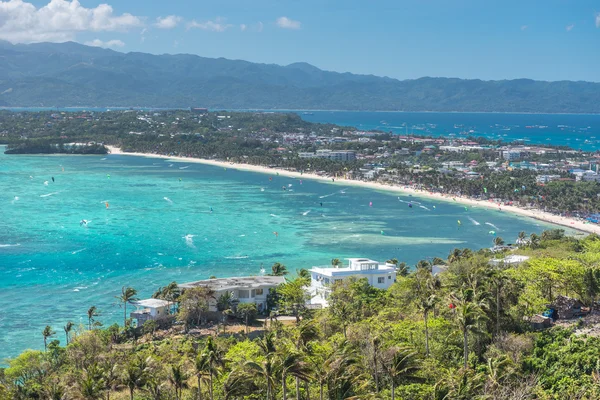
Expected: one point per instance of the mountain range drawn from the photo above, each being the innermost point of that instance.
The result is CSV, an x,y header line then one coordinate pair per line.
x,y
72,74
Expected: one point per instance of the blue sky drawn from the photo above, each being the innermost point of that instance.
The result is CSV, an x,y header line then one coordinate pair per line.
x,y
485,39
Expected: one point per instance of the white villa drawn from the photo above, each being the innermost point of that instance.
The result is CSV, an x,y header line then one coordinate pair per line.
x,y
250,289
381,276
149,309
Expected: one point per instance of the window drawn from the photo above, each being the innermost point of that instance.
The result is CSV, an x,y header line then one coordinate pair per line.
x,y
381,279
327,281
389,277
259,292
253,293
243,294
337,280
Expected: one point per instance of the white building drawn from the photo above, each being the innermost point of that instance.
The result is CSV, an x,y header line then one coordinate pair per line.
x,y
249,289
341,155
381,276
546,178
150,309
512,260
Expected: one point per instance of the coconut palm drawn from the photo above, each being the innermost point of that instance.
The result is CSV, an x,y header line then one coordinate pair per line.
x,y
47,333
534,240
67,328
426,287
90,384
469,315
134,375
178,378
336,262
498,241
278,269
400,364
127,296
92,313
170,293
292,364
208,363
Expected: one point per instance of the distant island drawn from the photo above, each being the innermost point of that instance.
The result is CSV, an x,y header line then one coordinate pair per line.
x,y
71,74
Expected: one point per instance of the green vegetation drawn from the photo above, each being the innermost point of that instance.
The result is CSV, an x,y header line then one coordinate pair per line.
x,y
460,334
74,75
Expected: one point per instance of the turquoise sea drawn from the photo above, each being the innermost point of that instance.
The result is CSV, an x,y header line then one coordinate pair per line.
x,y
159,228
579,131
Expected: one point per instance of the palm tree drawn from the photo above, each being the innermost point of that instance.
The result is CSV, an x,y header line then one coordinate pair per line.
x,y
92,313
278,269
178,378
209,362
127,296
134,375
498,241
90,384
292,363
304,274
170,293
534,241
400,364
47,333
265,370
307,332
336,262
468,314
521,238
426,297
68,327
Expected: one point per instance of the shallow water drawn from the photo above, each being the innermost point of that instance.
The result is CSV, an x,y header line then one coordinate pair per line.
x,y
159,228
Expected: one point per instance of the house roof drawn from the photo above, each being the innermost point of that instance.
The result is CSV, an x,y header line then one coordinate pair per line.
x,y
151,303
245,282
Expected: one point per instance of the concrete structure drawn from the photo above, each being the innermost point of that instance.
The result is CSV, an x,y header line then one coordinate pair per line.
x,y
511,155
381,276
150,309
331,155
546,178
249,289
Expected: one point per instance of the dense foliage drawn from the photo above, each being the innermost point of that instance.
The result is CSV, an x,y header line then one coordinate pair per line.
x,y
460,334
69,74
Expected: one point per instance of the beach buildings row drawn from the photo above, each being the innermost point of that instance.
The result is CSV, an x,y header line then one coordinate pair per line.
x,y
255,289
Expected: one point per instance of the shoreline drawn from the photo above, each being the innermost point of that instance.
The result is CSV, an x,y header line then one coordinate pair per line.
x,y
539,215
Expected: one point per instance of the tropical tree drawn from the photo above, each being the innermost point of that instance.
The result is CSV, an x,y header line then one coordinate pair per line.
x,y
170,293
293,296
91,385
68,328
127,296
469,314
92,313
292,364
208,363
247,312
178,379
498,241
278,269
134,375
47,333
400,364
426,288
193,304
336,262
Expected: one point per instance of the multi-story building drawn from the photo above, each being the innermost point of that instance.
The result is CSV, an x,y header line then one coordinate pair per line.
x,y
381,276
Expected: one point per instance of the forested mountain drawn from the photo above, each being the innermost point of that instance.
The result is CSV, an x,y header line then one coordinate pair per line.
x,y
71,74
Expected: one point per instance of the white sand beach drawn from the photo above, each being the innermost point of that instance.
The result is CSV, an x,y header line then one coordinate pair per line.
x,y
572,223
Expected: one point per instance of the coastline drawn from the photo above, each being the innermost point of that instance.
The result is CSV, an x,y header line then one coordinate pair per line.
x,y
539,215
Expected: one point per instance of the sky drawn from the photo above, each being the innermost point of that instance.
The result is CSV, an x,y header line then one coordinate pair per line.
x,y
403,39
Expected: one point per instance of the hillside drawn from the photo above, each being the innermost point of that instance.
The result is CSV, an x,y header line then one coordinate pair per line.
x,y
71,74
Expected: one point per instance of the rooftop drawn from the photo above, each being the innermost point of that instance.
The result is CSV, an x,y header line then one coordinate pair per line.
x,y
236,282
151,303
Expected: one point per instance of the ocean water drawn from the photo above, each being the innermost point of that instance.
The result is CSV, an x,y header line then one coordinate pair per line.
x,y
579,131
158,228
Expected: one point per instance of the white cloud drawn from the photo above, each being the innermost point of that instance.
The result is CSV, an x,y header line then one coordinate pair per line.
x,y
243,27
524,27
168,22
58,21
570,27
286,23
598,20
218,25
109,43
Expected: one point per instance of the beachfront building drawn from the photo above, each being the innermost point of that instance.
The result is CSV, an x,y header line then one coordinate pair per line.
x,y
381,276
248,289
511,260
150,309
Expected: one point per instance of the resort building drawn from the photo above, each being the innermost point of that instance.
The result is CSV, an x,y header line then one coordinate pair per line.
x,y
150,309
512,260
381,276
249,289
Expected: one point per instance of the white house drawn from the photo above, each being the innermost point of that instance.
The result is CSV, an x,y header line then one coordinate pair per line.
x,y
149,309
511,260
249,289
381,276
